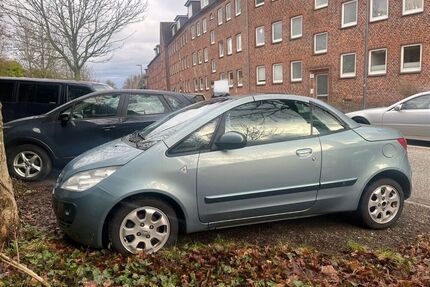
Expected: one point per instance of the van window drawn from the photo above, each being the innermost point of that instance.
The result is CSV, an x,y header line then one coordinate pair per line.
x,y
6,92
38,93
74,92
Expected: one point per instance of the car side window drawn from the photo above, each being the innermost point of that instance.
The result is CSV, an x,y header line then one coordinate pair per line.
x,y
38,93
97,107
324,122
174,103
7,92
270,121
420,103
74,92
140,105
197,141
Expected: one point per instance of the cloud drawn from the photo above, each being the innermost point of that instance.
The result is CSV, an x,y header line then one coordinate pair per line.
x,y
138,48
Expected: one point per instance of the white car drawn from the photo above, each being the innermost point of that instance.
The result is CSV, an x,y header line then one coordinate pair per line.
x,y
410,116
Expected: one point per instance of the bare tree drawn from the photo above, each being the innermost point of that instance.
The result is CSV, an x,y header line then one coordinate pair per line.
x,y
8,209
3,37
135,82
78,30
111,83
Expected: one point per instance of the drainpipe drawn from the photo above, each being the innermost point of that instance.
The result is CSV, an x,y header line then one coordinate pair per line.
x,y
248,46
366,57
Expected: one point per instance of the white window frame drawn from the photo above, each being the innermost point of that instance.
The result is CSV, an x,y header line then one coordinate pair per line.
x,y
351,24
200,57
204,3
229,46
239,42
213,66
348,75
206,55
230,85
238,7
370,62
273,74
317,7
239,83
379,18
220,16
259,4
256,37
205,25
207,83
221,49
291,27
315,43
259,82
274,41
199,28
413,11
193,32
316,86
201,84
212,37
194,59
411,70
228,15
295,80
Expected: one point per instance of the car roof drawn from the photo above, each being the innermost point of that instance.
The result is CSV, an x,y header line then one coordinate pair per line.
x,y
45,80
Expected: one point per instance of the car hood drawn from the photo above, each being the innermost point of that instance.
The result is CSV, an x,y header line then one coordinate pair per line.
x,y
23,121
115,153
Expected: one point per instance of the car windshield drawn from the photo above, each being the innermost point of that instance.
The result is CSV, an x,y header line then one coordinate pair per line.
x,y
168,125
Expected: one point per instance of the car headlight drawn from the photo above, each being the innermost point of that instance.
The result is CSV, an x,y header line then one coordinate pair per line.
x,y
87,179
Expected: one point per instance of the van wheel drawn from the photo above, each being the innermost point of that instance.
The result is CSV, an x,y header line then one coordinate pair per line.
x,y
381,204
29,163
143,225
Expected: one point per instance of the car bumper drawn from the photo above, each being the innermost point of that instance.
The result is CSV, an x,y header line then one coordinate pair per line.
x,y
81,215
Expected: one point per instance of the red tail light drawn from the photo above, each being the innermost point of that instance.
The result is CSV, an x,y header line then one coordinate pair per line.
x,y
403,142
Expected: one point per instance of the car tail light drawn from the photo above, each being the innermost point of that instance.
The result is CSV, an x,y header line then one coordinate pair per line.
x,y
403,142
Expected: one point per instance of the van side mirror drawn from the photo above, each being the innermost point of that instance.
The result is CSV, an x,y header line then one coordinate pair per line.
x,y
231,140
64,118
398,108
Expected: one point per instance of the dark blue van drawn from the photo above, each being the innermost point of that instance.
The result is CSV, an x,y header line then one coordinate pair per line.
x,y
23,97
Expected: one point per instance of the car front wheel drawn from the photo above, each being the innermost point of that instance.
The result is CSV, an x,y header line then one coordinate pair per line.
x,y
29,163
143,225
381,204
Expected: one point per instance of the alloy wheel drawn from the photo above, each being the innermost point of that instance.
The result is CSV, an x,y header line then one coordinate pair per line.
x,y
27,164
384,204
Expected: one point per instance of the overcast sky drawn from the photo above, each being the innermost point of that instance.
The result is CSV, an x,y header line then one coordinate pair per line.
x,y
139,47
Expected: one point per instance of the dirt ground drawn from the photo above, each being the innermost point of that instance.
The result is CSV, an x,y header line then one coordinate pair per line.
x,y
329,233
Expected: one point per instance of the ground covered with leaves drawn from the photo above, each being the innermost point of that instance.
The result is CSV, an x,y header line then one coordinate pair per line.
x,y
261,255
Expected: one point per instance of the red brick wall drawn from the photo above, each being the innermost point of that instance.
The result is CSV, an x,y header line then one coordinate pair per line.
x,y
347,94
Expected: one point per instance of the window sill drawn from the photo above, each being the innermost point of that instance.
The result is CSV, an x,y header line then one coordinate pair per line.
x,y
348,77
347,26
320,53
411,13
261,84
410,72
296,81
320,7
378,75
374,20
296,37
278,83
276,42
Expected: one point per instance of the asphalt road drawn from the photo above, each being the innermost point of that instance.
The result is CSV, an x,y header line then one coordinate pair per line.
x,y
419,157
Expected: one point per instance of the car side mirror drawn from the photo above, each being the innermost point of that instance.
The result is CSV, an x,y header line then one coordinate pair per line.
x,y
231,140
398,108
64,118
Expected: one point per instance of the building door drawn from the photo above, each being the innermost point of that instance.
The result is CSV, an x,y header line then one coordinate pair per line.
x,y
322,86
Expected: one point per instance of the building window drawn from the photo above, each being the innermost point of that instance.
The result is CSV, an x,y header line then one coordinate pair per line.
x,y
411,58
378,62
259,36
320,43
228,11
278,74
296,27
261,75
221,49
348,65
239,76
193,32
199,29
229,46
196,85
238,7
200,57
259,3
212,37
201,84
207,83
277,32
239,43
194,59
222,76
220,17
322,85
213,66
296,71
321,4
379,10
205,25
412,6
231,79
349,14
204,3
206,55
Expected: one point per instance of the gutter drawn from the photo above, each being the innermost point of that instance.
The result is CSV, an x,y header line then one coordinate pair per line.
x,y
366,58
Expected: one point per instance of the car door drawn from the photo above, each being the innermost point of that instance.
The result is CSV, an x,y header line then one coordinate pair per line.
x,y
141,111
412,119
93,122
278,172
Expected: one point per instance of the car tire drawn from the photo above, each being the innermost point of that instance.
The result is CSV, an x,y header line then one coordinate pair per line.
x,y
131,231
361,120
381,204
25,160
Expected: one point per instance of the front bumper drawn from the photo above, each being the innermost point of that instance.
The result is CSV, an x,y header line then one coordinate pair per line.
x,y
81,215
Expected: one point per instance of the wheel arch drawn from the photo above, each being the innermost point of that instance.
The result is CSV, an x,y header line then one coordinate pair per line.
x,y
179,209
30,141
395,175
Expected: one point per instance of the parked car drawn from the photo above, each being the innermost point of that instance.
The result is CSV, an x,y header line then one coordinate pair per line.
x,y
23,97
35,144
410,116
228,162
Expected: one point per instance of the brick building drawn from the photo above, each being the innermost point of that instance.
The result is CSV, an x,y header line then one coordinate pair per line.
x,y
348,52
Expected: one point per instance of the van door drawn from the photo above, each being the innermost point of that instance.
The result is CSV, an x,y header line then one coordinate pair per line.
x,y
37,98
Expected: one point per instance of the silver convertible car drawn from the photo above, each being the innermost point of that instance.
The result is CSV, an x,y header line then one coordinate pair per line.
x,y
228,162
410,116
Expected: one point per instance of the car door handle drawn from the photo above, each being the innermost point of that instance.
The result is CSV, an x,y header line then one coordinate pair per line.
x,y
108,128
305,152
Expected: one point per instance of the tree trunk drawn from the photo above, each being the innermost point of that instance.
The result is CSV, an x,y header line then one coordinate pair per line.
x,y
8,210
77,74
